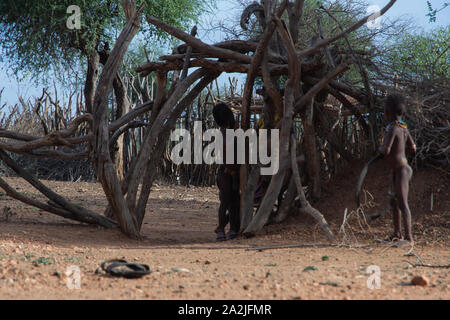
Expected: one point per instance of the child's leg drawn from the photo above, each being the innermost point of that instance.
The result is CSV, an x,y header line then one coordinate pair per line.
x,y
235,218
404,174
224,184
396,213
227,219
396,219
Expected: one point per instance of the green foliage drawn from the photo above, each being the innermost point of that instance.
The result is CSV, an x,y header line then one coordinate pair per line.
x,y
433,12
422,56
344,12
270,265
330,283
43,260
34,35
28,256
310,268
178,13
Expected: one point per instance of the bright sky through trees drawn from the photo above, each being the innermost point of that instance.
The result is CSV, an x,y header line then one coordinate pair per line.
x,y
227,10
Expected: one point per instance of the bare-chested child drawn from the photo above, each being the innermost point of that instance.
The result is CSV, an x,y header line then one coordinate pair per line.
x,y
396,138
227,179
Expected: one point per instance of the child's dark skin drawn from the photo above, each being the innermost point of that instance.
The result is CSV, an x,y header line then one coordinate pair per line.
x,y
393,148
227,180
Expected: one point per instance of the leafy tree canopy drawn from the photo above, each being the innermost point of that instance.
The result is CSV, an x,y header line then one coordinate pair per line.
x,y
422,56
34,35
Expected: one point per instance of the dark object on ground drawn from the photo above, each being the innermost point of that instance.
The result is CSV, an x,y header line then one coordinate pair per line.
x,y
221,236
420,281
231,235
122,268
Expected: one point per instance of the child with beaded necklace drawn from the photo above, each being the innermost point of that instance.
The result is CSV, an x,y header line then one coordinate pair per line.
x,y
396,138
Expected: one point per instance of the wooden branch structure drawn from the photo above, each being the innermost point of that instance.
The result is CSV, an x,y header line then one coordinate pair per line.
x,y
275,54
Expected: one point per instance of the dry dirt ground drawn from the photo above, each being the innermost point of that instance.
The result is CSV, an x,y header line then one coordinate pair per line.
x,y
36,248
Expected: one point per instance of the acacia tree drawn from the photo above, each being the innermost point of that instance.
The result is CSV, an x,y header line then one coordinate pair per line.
x,y
420,57
276,53
35,38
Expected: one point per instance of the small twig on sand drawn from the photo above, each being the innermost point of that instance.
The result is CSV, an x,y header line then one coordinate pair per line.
x,y
428,265
421,264
398,244
307,245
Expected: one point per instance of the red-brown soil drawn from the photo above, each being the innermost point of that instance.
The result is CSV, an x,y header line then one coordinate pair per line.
x,y
179,245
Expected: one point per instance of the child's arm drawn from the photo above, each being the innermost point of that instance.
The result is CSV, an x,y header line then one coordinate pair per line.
x,y
388,141
410,142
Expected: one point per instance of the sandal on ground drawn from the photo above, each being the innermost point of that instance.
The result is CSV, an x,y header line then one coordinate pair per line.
x,y
122,268
221,236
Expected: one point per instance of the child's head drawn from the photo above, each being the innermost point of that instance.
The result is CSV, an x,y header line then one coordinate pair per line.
x,y
394,107
223,115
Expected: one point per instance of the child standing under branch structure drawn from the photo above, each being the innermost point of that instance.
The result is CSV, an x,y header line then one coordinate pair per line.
x,y
396,138
227,179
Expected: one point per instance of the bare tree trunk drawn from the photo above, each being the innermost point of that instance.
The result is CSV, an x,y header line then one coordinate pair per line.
x,y
93,61
305,206
247,199
312,157
152,136
102,159
291,91
123,107
287,203
63,207
295,11
150,172
257,59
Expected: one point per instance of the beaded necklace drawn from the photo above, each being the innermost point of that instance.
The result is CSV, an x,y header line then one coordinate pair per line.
x,y
399,123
